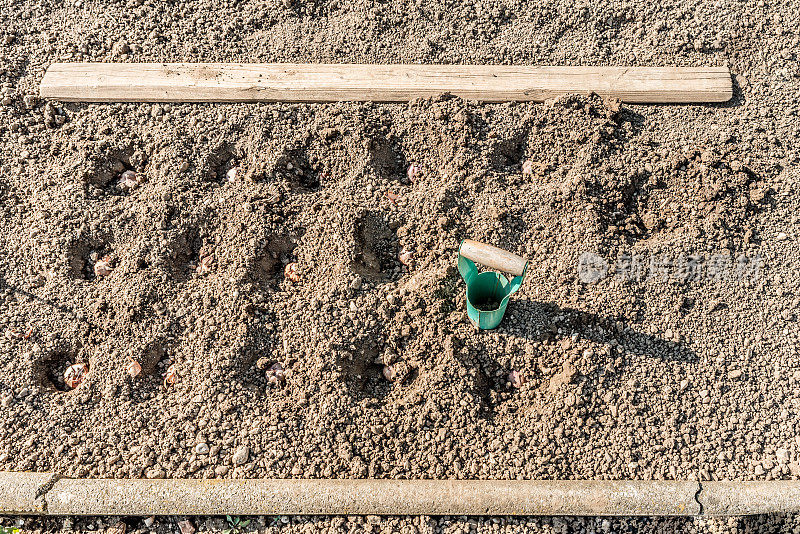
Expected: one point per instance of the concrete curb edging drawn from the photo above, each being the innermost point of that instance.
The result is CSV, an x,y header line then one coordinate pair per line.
x,y
21,493
342,497
48,494
369,497
750,498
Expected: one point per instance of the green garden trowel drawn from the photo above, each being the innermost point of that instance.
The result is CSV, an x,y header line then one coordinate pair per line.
x,y
488,292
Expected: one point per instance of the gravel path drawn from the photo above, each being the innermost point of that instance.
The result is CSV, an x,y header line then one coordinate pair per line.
x,y
263,269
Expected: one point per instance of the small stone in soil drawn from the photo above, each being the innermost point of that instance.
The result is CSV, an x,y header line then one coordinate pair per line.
x,y
241,455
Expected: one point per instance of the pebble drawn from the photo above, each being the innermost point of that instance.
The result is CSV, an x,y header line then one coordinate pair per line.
x,y
734,374
221,470
186,527
155,472
201,448
781,236
121,47
527,167
241,455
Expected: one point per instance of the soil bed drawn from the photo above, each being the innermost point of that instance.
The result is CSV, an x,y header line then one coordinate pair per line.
x,y
280,262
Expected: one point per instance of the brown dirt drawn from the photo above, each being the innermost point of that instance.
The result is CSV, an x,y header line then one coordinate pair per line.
x,y
683,377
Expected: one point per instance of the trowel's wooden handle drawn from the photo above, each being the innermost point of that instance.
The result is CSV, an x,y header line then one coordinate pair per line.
x,y
496,258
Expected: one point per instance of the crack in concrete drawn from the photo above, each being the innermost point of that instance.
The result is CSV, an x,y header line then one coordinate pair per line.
x,y
45,488
697,497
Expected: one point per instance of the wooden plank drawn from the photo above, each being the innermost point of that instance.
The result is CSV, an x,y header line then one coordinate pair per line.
x,y
287,82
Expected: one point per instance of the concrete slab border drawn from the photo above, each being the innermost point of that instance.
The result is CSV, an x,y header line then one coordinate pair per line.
x,y
48,494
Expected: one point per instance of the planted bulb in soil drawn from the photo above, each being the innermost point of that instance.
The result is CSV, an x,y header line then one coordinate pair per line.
x,y
75,374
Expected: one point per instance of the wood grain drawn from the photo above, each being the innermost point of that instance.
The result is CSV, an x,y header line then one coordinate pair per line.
x,y
287,82
493,257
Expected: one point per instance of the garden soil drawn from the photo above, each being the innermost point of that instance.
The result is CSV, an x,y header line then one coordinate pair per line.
x,y
280,278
